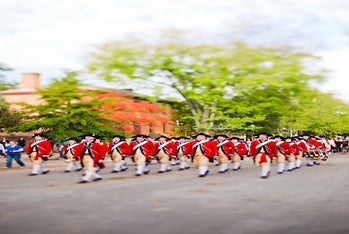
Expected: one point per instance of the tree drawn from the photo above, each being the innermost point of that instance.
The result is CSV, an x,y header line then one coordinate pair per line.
x,y
231,86
8,118
5,85
66,111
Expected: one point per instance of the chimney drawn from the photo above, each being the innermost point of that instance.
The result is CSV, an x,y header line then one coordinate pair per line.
x,y
30,80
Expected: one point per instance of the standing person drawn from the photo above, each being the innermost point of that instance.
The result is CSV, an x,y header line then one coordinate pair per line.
x,y
202,151
163,150
13,151
141,150
179,148
118,150
241,151
262,151
2,150
226,151
4,142
21,142
91,156
60,148
72,152
39,150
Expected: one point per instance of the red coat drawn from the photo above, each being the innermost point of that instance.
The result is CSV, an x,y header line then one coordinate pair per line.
x,y
269,147
241,149
208,148
226,146
96,151
43,148
76,149
180,146
294,148
167,149
146,147
121,146
104,149
312,143
283,148
320,145
302,145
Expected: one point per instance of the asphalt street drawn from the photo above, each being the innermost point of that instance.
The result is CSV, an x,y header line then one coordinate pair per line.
x,y
308,200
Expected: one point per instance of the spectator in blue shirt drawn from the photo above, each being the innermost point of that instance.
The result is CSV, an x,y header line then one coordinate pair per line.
x,y
14,152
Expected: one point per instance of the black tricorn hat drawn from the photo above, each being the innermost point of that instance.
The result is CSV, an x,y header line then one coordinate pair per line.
x,y
201,134
89,135
262,133
162,136
182,137
220,134
70,139
140,135
117,136
39,134
306,134
278,136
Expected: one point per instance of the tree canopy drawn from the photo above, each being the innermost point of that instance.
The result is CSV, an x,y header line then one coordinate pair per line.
x,y
5,85
232,86
66,111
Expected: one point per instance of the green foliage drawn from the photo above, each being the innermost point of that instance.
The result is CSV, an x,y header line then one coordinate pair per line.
x,y
232,86
6,85
66,111
8,118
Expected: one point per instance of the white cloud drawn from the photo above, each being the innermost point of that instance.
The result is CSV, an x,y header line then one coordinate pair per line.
x,y
46,36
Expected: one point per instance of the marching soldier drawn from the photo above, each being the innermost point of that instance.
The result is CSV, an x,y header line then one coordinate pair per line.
x,y
311,145
303,148
203,151
104,151
174,160
92,155
163,150
262,151
39,150
118,150
240,151
72,153
283,150
142,150
327,147
179,148
226,151
319,150
293,153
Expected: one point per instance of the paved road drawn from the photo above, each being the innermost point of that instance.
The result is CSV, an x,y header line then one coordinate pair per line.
x,y
309,200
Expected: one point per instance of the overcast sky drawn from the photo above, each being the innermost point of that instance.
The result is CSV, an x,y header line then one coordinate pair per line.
x,y
47,36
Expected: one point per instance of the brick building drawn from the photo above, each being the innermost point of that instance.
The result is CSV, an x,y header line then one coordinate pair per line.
x,y
27,93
